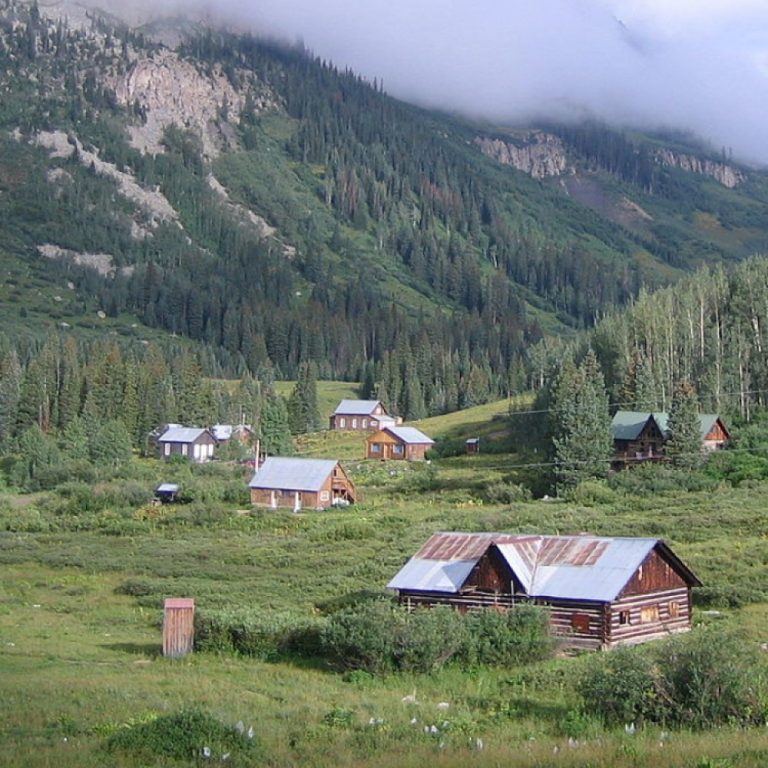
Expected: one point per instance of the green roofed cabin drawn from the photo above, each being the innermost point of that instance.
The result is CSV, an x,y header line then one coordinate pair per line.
x,y
640,436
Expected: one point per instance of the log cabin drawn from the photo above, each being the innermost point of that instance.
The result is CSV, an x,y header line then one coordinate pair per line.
x,y
600,592
406,443
361,416
640,436
301,483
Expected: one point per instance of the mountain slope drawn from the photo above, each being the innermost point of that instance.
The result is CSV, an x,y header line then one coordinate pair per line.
x,y
265,204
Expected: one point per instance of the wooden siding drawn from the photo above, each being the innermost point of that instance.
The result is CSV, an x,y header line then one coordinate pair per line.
x,y
188,449
631,622
336,486
654,574
647,446
389,447
178,626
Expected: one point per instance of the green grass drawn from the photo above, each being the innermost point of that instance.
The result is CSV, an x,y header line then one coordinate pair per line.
x,y
79,656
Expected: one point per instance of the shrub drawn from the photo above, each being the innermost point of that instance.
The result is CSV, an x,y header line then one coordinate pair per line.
x,y
377,636
507,493
186,735
508,638
590,493
621,687
711,678
429,638
364,636
261,635
705,679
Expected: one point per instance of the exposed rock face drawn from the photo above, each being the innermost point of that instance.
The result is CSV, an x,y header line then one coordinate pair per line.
x,y
154,205
103,263
724,173
171,91
539,154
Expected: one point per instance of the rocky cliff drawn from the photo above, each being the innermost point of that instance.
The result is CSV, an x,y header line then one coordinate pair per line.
x,y
725,174
537,153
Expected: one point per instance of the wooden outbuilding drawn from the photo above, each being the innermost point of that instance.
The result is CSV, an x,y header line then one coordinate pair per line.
x,y
195,443
600,592
178,626
166,493
472,446
224,433
301,483
640,436
398,443
361,416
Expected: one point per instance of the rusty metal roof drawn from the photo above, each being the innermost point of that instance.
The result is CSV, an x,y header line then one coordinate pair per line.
x,y
567,567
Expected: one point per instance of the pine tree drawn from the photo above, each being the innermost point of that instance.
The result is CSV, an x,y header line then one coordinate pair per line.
x,y
303,411
10,390
683,446
273,429
582,437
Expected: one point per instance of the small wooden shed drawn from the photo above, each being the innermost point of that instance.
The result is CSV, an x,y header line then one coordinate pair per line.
x,y
472,445
178,626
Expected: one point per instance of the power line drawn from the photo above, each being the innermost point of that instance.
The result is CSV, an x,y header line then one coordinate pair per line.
x,y
739,393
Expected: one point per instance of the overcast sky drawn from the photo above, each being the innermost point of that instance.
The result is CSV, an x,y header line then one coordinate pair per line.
x,y
692,64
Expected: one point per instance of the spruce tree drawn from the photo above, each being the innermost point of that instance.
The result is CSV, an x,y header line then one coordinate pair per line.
x,y
273,429
303,411
683,447
582,438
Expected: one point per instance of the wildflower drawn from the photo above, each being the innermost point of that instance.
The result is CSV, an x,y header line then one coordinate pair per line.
x,y
629,728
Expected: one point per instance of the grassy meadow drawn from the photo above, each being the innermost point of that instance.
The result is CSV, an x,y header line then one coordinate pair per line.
x,y
82,587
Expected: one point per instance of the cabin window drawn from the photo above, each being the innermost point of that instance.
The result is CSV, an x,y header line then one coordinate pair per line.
x,y
580,622
365,423
375,447
649,614
324,495
674,609
397,450
183,450
624,617
342,422
167,449
354,423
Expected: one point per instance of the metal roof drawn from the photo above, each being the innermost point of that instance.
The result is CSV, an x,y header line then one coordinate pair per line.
x,y
223,432
558,567
409,435
181,434
627,425
167,488
357,407
292,474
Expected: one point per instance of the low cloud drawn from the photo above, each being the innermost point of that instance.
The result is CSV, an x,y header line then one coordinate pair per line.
x,y
689,64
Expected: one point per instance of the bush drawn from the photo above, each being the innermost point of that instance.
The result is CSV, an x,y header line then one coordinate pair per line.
x,y
703,680
508,638
261,635
364,636
376,636
590,493
186,735
507,493
429,638
711,678
621,687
